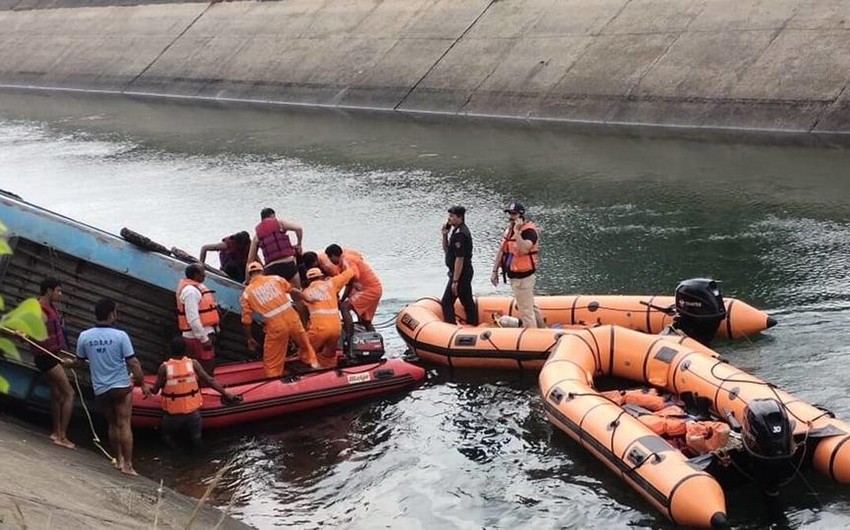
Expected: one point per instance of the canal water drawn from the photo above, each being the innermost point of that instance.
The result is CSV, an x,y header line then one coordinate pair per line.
x,y
618,214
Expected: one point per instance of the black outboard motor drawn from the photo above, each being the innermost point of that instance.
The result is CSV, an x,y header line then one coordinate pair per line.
x,y
699,309
768,437
366,347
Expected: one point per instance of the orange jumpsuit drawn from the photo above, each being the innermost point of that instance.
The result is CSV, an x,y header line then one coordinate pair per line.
x,y
325,327
268,296
364,300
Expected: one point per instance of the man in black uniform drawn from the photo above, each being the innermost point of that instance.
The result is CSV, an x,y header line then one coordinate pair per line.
x,y
457,244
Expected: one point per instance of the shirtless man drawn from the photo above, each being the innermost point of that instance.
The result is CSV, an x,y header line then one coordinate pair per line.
x,y
110,354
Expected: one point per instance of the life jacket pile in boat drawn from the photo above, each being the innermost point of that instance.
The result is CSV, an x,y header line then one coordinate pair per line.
x,y
421,325
779,432
665,416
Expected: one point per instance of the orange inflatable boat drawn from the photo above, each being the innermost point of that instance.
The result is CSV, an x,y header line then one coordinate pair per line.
x,y
760,433
421,324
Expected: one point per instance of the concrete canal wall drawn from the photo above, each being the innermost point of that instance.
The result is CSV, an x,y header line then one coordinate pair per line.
x,y
763,64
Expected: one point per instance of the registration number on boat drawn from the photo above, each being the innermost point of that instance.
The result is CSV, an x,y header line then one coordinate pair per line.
x,y
359,378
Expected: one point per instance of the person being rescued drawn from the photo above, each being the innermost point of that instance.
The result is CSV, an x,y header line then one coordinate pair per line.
x,y
232,254
364,291
271,297
667,419
279,254
322,297
177,377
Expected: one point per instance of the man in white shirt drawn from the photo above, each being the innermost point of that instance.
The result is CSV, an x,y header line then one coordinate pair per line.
x,y
197,316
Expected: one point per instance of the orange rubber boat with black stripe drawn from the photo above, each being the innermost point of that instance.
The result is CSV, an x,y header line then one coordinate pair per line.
x,y
685,487
421,325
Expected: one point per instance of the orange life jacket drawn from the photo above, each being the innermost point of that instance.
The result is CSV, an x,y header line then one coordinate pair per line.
x,y
181,394
323,299
274,242
669,421
647,398
207,308
512,259
707,436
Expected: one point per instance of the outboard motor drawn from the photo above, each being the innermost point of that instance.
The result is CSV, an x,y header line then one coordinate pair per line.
x,y
366,347
699,309
768,436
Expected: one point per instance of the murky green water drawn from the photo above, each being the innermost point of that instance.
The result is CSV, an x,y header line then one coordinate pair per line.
x,y
467,450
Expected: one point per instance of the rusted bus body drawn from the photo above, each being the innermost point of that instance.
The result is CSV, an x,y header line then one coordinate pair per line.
x,y
92,264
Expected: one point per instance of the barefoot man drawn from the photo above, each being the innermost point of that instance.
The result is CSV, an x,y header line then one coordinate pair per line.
x,y
110,354
61,393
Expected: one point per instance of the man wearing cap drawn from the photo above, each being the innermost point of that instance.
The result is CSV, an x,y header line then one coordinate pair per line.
x,y
270,297
518,260
322,296
457,246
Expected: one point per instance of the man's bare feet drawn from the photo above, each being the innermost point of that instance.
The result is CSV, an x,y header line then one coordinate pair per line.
x,y
54,436
118,463
64,442
128,470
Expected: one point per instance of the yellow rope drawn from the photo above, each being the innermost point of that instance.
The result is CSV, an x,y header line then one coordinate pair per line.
x,y
96,438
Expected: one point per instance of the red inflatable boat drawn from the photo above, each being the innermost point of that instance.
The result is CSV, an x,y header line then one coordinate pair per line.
x,y
267,398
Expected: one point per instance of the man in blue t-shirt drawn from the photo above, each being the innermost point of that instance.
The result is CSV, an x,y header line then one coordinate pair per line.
x,y
110,354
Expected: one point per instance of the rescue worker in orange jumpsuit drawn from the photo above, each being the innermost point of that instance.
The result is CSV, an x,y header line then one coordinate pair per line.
x,y
322,295
270,297
365,289
181,395
197,316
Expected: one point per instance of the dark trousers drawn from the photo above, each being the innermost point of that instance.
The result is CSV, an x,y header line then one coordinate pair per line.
x,y
464,292
174,423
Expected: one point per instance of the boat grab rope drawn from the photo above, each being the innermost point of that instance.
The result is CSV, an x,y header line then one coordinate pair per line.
x,y
339,370
386,324
772,387
95,438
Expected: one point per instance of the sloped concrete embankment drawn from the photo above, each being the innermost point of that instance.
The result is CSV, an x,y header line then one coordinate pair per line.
x,y
45,486
779,65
